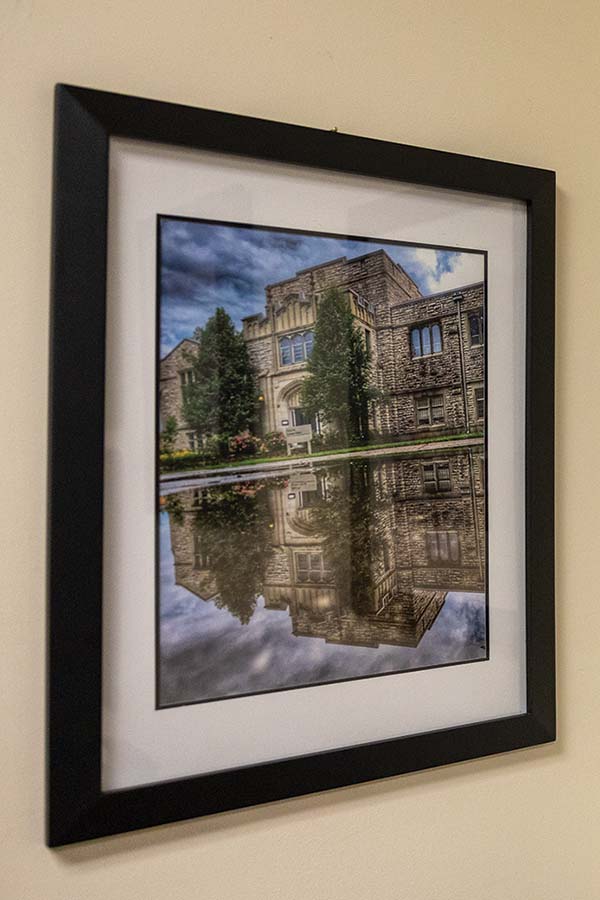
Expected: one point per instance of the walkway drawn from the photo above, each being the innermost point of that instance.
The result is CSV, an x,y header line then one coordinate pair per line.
x,y
171,482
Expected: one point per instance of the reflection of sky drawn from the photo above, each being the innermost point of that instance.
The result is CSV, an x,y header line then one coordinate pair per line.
x,y
206,652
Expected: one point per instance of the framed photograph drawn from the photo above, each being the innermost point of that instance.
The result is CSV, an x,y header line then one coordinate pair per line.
x,y
301,462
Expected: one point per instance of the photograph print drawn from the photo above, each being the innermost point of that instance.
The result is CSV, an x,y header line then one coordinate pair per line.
x,y
321,459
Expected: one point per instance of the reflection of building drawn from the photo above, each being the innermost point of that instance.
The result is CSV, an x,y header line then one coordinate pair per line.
x,y
426,351
192,563
422,535
439,518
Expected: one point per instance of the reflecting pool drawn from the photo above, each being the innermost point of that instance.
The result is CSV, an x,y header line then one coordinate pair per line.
x,y
321,573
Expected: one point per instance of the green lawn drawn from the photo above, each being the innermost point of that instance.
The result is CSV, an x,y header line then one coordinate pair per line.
x,y
255,460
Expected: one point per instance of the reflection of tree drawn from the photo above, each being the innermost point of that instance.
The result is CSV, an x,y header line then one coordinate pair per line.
x,y
352,539
232,527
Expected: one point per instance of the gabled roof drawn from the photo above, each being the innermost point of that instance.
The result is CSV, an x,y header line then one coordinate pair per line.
x,y
177,346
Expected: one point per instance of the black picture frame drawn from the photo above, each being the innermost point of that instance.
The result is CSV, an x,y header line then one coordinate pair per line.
x,y
85,120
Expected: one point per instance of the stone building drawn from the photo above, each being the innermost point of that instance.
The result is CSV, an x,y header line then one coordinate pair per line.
x,y
426,351
175,373
424,517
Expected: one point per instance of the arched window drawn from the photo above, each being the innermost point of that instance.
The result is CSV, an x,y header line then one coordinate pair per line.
x,y
285,351
476,328
415,341
295,348
298,347
425,340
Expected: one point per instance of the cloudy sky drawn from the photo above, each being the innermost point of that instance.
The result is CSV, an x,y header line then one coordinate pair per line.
x,y
205,266
207,653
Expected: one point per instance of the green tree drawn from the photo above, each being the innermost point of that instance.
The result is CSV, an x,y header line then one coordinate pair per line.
x,y
221,399
360,391
337,386
168,435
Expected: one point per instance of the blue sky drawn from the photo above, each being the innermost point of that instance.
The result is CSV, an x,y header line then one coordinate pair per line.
x,y
206,265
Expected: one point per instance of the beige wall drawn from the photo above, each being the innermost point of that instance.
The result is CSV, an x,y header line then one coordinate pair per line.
x,y
510,80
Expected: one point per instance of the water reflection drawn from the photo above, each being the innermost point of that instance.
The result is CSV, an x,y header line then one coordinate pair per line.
x,y
343,570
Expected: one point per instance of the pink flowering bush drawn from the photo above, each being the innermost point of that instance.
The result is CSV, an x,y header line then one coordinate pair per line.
x,y
245,444
274,442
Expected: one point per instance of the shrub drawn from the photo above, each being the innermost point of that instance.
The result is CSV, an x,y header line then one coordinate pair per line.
x,y
245,444
182,459
275,443
217,446
169,435
358,440
333,440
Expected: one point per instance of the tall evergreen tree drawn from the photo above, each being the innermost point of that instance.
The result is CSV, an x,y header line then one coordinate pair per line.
x,y
337,386
221,399
360,391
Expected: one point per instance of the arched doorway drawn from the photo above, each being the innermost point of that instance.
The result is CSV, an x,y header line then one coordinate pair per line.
x,y
290,407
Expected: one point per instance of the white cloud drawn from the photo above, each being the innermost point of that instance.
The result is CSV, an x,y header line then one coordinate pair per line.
x,y
468,269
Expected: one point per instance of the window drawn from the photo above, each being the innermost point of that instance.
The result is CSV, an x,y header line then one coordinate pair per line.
x,y
310,498
201,557
285,351
368,340
193,440
188,376
442,547
476,331
479,395
436,477
425,340
295,348
298,348
430,410
377,478
299,417
311,568
386,558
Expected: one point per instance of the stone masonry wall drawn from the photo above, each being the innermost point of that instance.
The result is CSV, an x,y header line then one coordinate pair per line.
x,y
170,392
408,377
